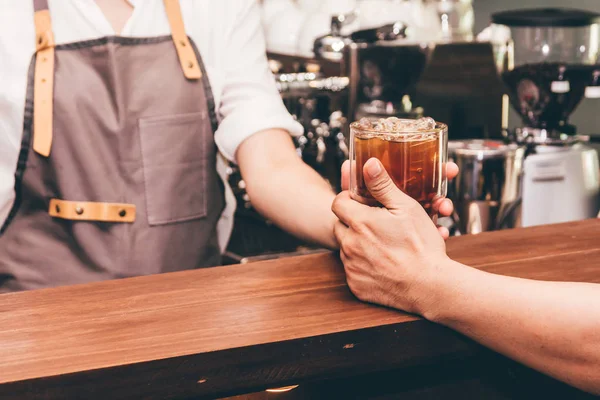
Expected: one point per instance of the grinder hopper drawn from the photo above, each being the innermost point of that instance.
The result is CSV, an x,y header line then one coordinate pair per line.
x,y
549,65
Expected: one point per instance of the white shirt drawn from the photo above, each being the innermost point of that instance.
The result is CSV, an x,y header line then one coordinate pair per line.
x,y
228,34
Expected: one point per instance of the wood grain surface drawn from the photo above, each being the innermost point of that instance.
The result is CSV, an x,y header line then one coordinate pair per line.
x,y
239,328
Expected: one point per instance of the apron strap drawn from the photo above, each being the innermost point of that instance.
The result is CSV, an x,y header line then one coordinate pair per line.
x,y
43,79
91,211
44,67
187,55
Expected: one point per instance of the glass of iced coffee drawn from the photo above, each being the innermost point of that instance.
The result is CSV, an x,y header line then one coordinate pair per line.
x,y
413,152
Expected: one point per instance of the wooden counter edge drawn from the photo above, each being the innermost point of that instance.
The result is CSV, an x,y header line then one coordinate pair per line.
x,y
256,368
243,369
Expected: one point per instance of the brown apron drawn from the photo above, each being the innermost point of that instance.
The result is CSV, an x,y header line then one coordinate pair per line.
x,y
117,171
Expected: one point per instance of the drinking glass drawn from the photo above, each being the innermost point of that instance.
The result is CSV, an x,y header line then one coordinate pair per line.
x,y
414,159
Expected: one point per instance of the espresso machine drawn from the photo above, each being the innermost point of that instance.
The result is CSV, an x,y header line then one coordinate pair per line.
x,y
383,68
381,65
547,174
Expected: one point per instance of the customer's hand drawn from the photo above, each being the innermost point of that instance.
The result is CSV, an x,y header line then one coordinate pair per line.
x,y
443,205
390,254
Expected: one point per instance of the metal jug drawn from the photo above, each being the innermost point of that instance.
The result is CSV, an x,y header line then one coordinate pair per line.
x,y
487,191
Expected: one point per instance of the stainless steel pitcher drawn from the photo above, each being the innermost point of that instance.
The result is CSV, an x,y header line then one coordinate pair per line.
x,y
486,193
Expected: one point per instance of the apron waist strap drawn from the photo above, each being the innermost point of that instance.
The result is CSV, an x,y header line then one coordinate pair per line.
x,y
91,211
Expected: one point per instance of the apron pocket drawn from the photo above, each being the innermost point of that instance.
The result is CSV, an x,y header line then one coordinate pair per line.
x,y
174,161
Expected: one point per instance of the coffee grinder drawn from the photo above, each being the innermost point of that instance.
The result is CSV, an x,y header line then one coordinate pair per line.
x,y
548,66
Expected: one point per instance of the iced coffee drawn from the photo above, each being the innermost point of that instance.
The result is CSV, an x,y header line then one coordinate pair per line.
x,y
413,152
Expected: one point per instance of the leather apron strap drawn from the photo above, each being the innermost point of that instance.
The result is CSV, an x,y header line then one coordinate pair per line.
x,y
187,55
92,211
43,78
44,67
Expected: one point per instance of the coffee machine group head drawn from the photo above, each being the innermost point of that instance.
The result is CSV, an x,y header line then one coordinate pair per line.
x,y
383,66
548,66
383,75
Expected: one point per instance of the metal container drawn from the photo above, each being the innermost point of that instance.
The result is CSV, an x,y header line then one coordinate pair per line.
x,y
486,193
384,72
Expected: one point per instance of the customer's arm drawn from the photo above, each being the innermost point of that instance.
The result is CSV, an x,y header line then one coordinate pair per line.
x,y
553,327
395,257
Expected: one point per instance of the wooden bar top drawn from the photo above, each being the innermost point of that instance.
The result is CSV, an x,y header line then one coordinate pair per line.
x,y
233,329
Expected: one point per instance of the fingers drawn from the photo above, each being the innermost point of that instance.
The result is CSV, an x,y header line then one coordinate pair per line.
x,y
444,232
345,208
381,186
346,175
340,231
446,208
451,170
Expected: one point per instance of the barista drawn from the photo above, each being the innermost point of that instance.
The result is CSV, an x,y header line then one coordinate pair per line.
x,y
127,107
109,165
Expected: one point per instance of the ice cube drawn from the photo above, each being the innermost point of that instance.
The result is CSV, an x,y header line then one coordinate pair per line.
x,y
365,123
425,124
405,125
397,125
389,125
393,123
379,125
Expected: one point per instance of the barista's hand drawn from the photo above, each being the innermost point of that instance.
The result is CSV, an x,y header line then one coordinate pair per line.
x,y
445,206
390,254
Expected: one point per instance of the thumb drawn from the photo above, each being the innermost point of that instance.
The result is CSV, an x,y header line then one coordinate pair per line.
x,y
381,186
346,175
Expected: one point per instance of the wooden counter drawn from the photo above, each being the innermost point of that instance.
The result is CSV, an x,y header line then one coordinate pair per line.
x,y
240,329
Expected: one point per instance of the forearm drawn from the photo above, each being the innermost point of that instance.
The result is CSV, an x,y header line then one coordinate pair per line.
x,y
287,191
298,200
551,327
